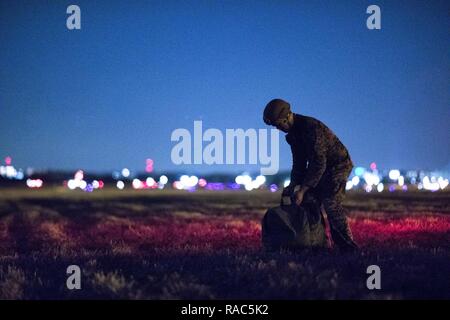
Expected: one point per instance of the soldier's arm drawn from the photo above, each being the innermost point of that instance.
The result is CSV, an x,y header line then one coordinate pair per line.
x,y
298,165
298,170
317,160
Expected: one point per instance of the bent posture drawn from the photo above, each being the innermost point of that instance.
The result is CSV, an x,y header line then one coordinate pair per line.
x,y
321,165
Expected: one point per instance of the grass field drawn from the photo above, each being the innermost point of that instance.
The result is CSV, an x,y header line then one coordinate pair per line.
x,y
207,245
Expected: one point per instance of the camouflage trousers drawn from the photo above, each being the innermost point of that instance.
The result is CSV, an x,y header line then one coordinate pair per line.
x,y
331,192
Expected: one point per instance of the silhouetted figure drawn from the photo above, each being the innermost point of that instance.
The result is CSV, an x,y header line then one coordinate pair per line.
x,y
321,165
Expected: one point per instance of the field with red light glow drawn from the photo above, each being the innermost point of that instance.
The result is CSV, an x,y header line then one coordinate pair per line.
x,y
207,245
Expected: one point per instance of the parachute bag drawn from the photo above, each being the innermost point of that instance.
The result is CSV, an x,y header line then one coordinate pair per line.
x,y
294,227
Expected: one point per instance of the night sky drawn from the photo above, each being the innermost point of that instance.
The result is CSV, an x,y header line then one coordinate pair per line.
x,y
109,95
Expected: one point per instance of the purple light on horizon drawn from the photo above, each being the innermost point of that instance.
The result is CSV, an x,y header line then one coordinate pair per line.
x,y
214,186
89,188
233,186
273,188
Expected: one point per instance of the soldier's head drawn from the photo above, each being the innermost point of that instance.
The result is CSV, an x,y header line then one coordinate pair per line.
x,y
278,113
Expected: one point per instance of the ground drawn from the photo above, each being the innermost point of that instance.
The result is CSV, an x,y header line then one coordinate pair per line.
x,y
156,244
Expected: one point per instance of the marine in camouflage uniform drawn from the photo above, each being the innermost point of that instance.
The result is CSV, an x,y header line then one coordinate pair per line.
x,y
321,165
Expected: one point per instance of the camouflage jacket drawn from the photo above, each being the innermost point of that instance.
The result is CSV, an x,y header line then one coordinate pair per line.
x,y
315,148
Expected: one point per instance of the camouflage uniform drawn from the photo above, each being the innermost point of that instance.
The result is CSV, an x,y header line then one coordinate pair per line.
x,y
322,162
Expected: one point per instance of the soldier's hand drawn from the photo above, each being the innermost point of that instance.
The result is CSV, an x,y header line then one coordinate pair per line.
x,y
287,191
299,197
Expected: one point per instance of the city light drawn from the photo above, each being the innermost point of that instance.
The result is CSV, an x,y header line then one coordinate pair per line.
x,y
177,185
19,175
125,172
82,184
394,174
443,183
202,183
150,182
188,182
430,185
349,185
72,184
137,184
260,180
10,172
79,175
120,185
163,179
77,181
359,171
249,183
373,179
89,188
380,187
34,183
149,165
355,180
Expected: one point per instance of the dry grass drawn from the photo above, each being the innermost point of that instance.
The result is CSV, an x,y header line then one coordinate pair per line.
x,y
207,245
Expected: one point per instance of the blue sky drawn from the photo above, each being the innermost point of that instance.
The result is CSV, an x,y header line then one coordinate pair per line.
x,y
109,95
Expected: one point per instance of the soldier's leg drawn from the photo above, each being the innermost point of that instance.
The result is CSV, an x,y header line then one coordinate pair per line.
x,y
337,219
332,194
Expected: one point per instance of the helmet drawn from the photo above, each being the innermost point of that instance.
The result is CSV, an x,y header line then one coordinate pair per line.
x,y
274,110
